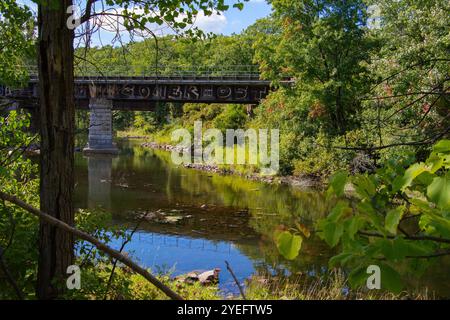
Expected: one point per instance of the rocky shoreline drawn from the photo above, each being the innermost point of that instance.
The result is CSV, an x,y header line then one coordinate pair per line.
x,y
294,181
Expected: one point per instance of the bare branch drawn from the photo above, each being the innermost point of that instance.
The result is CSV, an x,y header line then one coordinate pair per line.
x,y
87,237
235,280
422,237
124,243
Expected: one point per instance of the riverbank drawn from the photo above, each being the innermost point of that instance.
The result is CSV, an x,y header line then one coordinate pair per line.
x,y
294,181
126,285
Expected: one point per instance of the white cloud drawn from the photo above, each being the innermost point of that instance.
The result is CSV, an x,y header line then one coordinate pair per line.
x,y
215,23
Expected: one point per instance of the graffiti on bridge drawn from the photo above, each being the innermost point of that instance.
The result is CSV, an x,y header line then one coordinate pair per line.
x,y
166,92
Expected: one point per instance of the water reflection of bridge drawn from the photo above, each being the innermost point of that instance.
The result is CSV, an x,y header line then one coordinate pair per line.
x,y
178,241
99,177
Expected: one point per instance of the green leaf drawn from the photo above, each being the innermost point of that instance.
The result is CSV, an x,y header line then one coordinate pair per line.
x,y
357,277
439,191
425,178
339,259
392,219
442,146
410,174
403,248
435,224
390,279
338,181
332,233
353,225
395,249
240,6
436,161
373,217
338,211
288,244
364,186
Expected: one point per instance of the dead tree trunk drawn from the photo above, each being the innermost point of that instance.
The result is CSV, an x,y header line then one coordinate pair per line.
x,y
57,121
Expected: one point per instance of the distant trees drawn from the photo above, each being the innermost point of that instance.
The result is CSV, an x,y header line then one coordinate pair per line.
x,y
170,55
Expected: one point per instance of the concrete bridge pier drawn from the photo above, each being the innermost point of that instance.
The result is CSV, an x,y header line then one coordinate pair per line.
x,y
100,139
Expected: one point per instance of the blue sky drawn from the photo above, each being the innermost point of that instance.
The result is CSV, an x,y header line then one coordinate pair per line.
x,y
237,20
232,21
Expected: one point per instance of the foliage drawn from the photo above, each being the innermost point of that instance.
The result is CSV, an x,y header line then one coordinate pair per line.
x,y
408,102
357,86
233,117
323,44
145,121
169,55
127,286
400,216
16,46
18,229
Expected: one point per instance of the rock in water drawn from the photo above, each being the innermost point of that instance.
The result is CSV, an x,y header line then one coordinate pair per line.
x,y
205,278
210,276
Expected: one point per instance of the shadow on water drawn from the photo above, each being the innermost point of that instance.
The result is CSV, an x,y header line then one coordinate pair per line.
x,y
196,220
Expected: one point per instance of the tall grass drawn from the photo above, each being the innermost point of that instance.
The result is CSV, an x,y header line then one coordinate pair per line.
x,y
335,287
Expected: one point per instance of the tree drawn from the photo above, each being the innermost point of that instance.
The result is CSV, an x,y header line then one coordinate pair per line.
x,y
57,110
57,124
412,71
322,44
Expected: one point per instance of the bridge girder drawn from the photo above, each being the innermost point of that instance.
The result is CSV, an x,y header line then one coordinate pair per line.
x,y
142,93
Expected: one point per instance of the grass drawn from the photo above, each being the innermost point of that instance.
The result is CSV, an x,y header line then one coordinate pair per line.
x,y
333,288
129,286
132,133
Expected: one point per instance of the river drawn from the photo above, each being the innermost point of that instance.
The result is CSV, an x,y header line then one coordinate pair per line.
x,y
198,220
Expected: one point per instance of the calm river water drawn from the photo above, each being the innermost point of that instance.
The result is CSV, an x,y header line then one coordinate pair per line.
x,y
199,220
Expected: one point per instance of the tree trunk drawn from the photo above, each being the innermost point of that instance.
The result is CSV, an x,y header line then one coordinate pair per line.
x,y
57,122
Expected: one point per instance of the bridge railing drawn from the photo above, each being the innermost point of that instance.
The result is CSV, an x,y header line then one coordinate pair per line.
x,y
163,71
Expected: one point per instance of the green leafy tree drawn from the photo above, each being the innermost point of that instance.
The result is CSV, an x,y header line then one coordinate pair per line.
x,y
410,102
18,230
16,46
323,45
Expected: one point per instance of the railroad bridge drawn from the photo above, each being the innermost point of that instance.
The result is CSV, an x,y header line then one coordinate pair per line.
x,y
102,94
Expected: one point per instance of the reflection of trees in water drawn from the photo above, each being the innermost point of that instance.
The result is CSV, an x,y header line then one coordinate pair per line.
x,y
266,259
269,206
262,200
